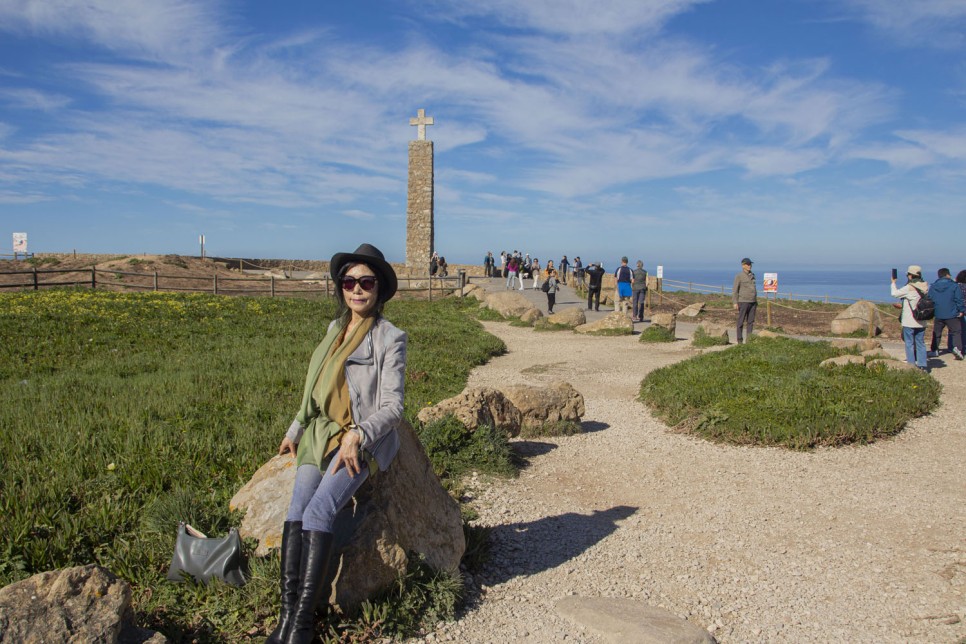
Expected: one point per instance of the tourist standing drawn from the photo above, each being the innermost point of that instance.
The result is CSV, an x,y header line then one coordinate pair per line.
x,y
578,272
503,261
639,291
535,272
913,332
511,271
948,299
595,277
961,282
443,267
488,264
351,406
552,288
744,296
564,265
624,275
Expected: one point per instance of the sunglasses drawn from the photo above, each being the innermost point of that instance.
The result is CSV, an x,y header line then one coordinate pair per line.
x,y
367,282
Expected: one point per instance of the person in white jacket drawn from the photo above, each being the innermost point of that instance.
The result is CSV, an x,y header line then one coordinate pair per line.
x,y
913,331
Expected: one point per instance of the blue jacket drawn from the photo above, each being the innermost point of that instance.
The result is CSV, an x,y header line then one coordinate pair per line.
x,y
948,298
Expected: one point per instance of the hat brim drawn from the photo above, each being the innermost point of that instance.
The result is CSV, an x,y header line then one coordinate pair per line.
x,y
387,276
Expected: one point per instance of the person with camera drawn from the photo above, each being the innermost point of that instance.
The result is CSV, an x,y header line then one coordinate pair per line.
x,y
913,331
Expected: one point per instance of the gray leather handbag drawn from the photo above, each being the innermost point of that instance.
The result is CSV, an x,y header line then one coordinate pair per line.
x,y
204,558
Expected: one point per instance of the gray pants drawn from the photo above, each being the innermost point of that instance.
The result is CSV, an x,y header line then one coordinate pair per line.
x,y
637,305
954,330
746,318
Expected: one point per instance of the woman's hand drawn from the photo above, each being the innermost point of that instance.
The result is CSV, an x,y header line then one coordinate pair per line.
x,y
287,447
350,454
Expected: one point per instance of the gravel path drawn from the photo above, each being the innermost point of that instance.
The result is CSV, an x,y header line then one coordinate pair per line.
x,y
754,544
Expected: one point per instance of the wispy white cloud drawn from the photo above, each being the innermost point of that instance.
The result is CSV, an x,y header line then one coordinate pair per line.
x,y
33,99
934,23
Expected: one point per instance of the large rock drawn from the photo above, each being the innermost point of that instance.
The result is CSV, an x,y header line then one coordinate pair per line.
x,y
477,406
692,310
867,344
81,604
716,331
667,321
509,304
616,321
469,288
841,361
572,317
889,363
404,510
543,405
531,316
858,317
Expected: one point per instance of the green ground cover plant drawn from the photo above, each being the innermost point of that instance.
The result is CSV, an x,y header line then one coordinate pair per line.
x,y
123,413
702,339
772,391
655,334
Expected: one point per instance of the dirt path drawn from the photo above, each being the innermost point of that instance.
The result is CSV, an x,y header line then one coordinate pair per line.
x,y
853,544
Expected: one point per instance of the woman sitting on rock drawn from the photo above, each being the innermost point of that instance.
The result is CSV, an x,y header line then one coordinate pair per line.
x,y
351,407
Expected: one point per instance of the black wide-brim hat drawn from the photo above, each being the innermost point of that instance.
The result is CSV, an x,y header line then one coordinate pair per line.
x,y
372,257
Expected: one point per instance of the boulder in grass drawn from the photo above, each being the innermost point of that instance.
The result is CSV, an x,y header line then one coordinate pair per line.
x,y
861,316
896,365
572,317
404,510
531,316
477,406
861,344
614,323
540,406
841,361
665,320
80,604
469,288
692,310
718,333
877,353
509,304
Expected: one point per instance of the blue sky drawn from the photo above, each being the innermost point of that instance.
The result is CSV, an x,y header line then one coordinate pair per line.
x,y
797,132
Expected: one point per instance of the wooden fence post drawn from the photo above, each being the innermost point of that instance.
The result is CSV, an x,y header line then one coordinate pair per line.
x,y
273,284
462,282
36,285
768,309
93,278
155,280
216,284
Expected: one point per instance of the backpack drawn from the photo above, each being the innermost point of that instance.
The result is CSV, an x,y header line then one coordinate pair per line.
x,y
545,287
925,308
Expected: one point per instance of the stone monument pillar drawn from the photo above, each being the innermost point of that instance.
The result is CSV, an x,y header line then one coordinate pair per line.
x,y
419,202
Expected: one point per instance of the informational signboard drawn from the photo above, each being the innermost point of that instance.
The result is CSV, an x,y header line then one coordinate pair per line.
x,y
20,242
660,272
770,283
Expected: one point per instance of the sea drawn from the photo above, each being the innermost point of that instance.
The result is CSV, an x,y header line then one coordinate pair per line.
x,y
837,285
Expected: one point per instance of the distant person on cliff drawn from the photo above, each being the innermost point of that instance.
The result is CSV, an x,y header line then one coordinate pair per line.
x,y
535,272
488,264
949,312
961,283
443,267
624,276
595,276
434,263
503,260
744,296
639,292
511,271
913,331
564,265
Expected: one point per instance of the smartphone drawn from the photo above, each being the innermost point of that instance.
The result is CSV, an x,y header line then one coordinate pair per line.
x,y
895,273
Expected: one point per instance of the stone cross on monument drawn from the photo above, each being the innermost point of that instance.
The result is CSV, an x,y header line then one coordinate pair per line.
x,y
419,200
421,121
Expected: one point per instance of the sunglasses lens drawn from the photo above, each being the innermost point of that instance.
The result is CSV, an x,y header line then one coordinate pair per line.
x,y
367,283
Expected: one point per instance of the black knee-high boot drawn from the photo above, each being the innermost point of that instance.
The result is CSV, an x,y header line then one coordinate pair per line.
x,y
315,583
291,567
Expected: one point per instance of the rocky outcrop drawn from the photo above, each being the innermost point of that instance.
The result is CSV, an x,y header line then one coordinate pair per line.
x,y
475,407
860,344
539,406
509,304
572,317
469,288
692,310
615,322
81,604
404,510
877,353
861,316
668,321
841,361
531,316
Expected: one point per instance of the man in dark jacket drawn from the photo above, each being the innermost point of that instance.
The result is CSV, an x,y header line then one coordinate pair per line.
x,y
948,298
595,274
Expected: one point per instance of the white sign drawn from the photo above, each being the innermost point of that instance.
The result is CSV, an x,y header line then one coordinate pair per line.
x,y
660,272
770,285
20,242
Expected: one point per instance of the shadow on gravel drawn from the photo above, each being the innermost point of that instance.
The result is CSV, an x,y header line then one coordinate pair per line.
x,y
589,426
525,450
521,549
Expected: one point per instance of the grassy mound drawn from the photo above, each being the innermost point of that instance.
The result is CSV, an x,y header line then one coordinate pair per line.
x,y
135,410
772,391
655,334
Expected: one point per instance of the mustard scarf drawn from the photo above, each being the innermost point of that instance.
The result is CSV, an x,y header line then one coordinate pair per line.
x,y
327,410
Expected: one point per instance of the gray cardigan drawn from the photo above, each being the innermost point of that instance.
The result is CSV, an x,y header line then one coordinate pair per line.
x,y
375,374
